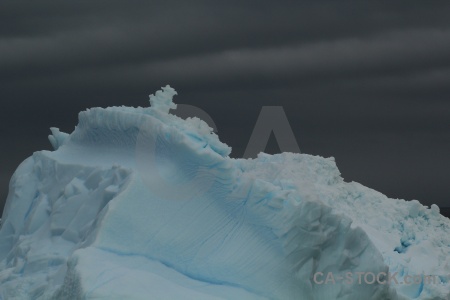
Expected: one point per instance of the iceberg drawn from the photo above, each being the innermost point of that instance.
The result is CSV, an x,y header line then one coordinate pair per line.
x,y
137,203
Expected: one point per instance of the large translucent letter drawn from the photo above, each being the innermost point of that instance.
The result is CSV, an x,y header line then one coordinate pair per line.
x,y
271,118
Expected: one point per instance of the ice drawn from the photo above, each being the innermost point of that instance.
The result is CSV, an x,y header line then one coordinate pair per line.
x,y
137,203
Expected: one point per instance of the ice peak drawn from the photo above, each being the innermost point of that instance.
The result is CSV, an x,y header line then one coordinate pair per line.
x,y
162,99
57,138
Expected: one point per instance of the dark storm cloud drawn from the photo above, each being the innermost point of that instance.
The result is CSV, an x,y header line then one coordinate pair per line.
x,y
366,82
413,56
416,56
85,35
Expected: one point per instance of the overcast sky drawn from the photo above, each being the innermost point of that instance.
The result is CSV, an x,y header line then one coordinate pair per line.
x,y
367,82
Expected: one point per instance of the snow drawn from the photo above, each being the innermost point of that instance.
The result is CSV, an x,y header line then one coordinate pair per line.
x,y
137,203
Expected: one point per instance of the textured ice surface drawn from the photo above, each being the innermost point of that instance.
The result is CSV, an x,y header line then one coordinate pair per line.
x,y
137,203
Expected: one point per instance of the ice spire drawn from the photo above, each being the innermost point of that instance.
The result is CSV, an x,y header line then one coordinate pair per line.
x,y
162,99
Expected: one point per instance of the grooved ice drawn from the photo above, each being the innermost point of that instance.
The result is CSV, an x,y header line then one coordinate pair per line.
x,y
137,203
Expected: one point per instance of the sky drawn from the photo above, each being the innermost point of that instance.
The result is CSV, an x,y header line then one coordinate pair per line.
x,y
367,82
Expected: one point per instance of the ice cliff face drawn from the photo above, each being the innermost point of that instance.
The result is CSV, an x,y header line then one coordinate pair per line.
x,y
137,203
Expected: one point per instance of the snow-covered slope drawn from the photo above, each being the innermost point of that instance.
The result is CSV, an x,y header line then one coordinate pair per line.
x,y
137,203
